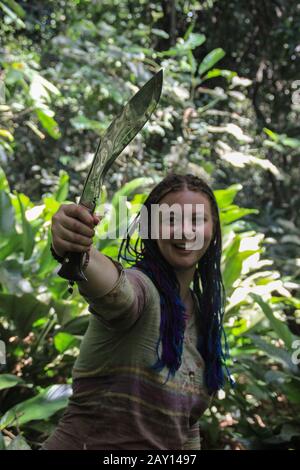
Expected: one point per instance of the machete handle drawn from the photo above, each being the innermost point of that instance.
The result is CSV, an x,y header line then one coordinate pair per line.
x,y
71,268
73,263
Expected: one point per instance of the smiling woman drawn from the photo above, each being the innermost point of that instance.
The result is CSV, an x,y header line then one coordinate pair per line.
x,y
179,250
151,359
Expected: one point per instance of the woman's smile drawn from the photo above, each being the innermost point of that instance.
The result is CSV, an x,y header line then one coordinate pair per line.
x,y
188,238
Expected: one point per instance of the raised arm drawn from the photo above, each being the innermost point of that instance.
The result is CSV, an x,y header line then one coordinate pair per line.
x,y
72,229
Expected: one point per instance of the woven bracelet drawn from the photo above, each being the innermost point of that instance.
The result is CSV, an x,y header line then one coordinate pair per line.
x,y
61,259
58,258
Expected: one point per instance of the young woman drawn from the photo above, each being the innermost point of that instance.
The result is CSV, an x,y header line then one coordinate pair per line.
x,y
151,358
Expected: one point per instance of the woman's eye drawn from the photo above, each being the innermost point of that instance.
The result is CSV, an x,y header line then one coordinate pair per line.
x,y
199,221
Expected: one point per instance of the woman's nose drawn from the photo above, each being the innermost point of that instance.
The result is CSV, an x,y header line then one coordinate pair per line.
x,y
188,230
184,231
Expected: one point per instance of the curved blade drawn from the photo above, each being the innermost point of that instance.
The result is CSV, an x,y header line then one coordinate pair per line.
x,y
121,131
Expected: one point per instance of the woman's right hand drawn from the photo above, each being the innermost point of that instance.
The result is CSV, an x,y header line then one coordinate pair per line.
x,y
72,229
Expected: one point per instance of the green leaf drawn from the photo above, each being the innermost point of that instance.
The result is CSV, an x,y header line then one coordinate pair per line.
x,y
61,193
273,135
278,326
226,196
27,236
160,33
4,185
233,213
233,262
2,444
23,311
127,190
48,123
182,47
7,216
282,139
12,15
291,389
12,245
228,74
9,381
16,8
279,354
194,40
64,341
6,134
40,407
210,60
46,261
83,123
290,142
77,326
18,443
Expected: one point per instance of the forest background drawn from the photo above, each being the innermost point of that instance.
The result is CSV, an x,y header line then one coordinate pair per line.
x,y
229,111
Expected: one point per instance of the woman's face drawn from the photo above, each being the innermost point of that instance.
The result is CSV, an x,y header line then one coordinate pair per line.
x,y
195,234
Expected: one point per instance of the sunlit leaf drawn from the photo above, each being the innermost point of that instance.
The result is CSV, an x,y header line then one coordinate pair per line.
x,y
210,60
18,443
281,328
40,407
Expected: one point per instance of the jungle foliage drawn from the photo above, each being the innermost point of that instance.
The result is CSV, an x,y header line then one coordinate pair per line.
x,y
229,112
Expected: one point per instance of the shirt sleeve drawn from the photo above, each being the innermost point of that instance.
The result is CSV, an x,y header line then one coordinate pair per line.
x,y
193,442
122,306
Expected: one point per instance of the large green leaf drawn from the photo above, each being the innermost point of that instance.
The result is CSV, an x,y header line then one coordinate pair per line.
x,y
46,262
22,310
11,245
233,263
226,196
278,326
18,443
64,341
40,407
233,213
279,354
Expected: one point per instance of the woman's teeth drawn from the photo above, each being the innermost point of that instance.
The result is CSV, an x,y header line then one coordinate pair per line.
x,y
182,246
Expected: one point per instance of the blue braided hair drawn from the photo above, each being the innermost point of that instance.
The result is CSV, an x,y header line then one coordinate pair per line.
x,y
207,286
